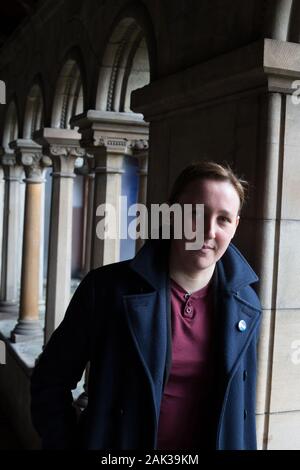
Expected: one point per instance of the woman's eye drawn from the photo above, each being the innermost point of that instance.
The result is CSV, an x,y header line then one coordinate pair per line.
x,y
224,219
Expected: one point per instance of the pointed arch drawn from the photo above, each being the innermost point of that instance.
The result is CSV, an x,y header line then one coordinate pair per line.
x,y
278,19
125,66
69,95
11,126
34,110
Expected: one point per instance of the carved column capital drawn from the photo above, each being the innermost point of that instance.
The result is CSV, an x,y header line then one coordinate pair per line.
x,y
112,130
32,166
114,145
57,150
46,161
64,159
8,159
12,170
29,155
139,145
140,150
62,146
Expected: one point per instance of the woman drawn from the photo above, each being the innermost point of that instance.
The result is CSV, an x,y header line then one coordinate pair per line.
x,y
171,338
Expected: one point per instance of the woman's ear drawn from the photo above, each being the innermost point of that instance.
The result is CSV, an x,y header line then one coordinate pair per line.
x,y
236,225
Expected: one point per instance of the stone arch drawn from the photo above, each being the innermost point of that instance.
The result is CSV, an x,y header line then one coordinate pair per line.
x,y
11,126
34,110
125,66
69,95
294,23
279,19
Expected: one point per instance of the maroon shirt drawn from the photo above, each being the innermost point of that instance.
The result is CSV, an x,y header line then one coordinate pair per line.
x,y
183,414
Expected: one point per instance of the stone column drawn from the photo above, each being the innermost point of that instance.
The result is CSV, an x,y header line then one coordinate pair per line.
x,y
11,241
42,224
89,215
1,212
108,185
29,155
108,136
141,152
62,146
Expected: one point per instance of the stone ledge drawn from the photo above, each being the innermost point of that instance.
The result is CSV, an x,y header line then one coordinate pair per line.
x,y
266,65
26,352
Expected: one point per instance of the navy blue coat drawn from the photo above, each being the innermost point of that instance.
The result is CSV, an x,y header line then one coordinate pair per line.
x,y
119,320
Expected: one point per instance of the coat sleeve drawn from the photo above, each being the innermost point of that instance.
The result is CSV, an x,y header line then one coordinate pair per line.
x,y
59,369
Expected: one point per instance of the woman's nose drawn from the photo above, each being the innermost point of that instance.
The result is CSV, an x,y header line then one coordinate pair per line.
x,y
209,228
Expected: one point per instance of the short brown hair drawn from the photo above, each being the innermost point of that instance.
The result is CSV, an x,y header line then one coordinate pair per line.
x,y
208,170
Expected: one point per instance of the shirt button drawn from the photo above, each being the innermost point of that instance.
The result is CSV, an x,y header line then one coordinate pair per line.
x,y
188,312
186,295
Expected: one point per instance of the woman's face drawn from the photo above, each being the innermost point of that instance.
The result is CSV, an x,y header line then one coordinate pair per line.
x,y
221,208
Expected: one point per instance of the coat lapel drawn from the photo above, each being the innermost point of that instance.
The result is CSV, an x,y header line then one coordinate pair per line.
x,y
235,340
236,318
147,316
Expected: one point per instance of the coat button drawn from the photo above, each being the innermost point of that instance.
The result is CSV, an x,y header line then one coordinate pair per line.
x,y
242,325
121,411
245,374
245,414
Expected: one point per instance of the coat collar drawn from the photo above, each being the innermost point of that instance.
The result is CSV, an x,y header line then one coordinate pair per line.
x,y
234,272
151,262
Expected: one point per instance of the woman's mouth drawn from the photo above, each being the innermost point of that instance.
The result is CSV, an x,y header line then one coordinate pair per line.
x,y
207,248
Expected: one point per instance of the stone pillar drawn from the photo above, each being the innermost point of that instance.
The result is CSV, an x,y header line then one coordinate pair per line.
x,y
2,192
108,136
62,146
140,151
29,155
45,163
89,214
108,185
11,225
279,347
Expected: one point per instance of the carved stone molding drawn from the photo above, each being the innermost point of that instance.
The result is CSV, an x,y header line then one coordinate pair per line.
x,y
8,159
114,145
28,154
32,166
46,161
112,130
88,166
64,159
65,151
12,171
139,145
